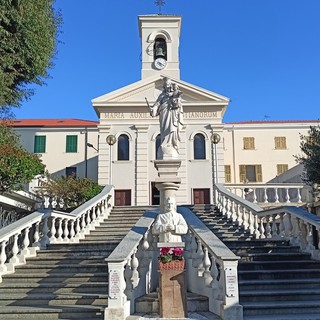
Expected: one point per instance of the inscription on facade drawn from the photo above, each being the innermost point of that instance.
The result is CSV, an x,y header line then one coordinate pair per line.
x,y
114,282
200,115
146,115
231,282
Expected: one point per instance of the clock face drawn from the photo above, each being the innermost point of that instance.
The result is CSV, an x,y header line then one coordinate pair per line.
x,y
160,63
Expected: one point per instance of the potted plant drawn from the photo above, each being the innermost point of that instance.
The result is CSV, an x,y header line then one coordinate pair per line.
x,y
171,259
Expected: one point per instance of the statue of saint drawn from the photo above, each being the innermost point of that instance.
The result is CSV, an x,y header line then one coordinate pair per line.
x,y
170,224
169,109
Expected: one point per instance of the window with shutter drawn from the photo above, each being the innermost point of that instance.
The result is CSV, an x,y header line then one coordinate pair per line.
x,y
248,143
227,173
72,144
39,144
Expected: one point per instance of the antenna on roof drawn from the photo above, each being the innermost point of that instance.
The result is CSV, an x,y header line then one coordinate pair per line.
x,y
159,3
266,117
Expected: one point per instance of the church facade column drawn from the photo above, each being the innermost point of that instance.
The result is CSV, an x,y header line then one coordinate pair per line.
x,y
141,165
104,156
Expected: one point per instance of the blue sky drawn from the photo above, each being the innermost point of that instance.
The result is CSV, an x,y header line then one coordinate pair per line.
x,y
262,54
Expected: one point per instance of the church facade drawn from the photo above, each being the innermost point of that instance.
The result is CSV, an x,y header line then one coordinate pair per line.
x,y
121,147
125,115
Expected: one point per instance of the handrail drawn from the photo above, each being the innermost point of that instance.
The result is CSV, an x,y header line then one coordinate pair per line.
x,y
294,224
36,231
210,264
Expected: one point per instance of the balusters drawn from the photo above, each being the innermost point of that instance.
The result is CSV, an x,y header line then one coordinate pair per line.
x,y
309,238
128,279
276,195
3,257
299,196
255,195
265,195
25,244
256,232
134,267
214,273
59,231
268,228
65,229
282,229
53,230
287,196
262,228
72,231
274,229
206,267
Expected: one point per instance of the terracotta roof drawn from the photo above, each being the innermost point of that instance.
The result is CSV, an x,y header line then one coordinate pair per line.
x,y
54,123
273,121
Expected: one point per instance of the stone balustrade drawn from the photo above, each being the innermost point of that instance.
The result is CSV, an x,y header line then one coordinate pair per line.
x,y
287,222
211,268
24,237
275,194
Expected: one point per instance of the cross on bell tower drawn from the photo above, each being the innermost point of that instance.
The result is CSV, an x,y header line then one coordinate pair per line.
x,y
159,3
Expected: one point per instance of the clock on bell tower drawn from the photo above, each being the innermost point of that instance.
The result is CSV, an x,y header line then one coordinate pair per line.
x,y
160,45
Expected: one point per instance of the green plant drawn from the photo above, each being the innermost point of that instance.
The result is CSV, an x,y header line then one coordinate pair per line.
x,y
72,191
168,254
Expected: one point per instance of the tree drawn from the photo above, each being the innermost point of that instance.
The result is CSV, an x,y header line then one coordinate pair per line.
x,y
17,166
70,191
310,146
28,37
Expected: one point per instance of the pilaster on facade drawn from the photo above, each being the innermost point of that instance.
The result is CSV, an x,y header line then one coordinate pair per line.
x,y
182,193
141,165
104,156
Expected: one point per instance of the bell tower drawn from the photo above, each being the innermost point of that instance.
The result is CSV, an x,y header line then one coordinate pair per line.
x,y
160,45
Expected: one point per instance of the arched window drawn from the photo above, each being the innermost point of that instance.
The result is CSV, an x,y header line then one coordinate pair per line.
x,y
123,147
158,142
199,146
160,48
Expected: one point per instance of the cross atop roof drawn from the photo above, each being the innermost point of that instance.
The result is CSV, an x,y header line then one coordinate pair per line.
x,y
159,3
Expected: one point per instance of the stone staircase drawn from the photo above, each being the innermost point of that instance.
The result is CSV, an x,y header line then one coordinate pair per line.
x,y
67,281
276,280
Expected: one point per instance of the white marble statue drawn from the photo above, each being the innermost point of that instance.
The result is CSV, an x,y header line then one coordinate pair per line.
x,y
169,109
170,224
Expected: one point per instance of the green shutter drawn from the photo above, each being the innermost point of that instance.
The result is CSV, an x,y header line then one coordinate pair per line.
x,y
39,144
72,144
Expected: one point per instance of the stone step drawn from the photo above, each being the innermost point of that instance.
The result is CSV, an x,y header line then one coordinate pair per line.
x,y
34,299
248,249
278,274
64,268
311,283
277,308
284,261
58,277
52,287
52,312
280,295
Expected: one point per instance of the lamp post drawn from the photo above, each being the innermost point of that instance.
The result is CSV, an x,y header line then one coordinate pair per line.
x,y
111,140
215,139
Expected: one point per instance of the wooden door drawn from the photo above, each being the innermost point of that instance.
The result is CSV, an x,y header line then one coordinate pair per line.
x,y
122,197
201,196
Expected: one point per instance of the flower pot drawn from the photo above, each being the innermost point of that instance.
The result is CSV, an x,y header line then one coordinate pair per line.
x,y
172,265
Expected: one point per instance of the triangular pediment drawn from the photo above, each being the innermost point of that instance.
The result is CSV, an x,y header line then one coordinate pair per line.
x,y
149,88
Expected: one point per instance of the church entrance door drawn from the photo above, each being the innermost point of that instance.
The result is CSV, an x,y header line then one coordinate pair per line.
x,y
122,197
201,196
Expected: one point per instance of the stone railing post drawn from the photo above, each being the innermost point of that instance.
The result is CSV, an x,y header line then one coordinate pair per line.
x,y
118,305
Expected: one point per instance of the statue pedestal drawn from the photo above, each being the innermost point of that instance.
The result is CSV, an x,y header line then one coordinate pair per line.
x,y
172,293
168,182
172,285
